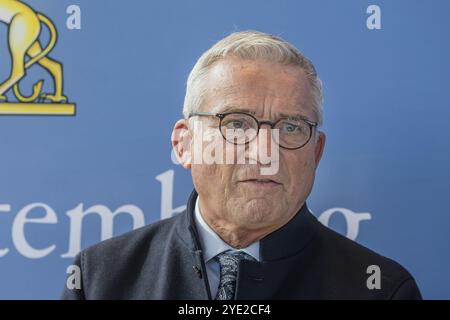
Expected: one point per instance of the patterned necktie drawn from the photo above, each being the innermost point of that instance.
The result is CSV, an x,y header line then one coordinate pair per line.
x,y
229,261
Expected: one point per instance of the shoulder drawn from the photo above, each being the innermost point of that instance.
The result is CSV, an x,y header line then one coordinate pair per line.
x,y
350,252
355,263
113,268
136,241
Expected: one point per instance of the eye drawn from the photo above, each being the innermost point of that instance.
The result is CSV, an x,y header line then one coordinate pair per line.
x,y
235,124
288,127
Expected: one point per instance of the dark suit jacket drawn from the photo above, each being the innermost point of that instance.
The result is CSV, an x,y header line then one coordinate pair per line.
x,y
301,260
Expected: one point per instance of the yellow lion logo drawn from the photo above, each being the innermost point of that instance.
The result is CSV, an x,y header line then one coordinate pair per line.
x,y
24,27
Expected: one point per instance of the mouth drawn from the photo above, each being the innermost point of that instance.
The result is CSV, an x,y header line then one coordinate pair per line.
x,y
261,183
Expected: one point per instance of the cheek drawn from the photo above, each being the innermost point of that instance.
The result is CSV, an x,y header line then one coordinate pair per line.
x,y
212,177
201,172
299,169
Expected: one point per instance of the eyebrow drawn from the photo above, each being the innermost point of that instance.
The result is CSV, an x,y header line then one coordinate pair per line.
x,y
235,109
293,116
280,115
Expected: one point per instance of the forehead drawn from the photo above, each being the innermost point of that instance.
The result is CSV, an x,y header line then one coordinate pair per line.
x,y
263,87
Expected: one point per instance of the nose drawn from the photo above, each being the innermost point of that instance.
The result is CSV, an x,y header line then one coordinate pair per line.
x,y
262,146
266,137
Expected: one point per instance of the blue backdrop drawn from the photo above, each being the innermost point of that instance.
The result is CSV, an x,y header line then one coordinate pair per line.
x,y
386,117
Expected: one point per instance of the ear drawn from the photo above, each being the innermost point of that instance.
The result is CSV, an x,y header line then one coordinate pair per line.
x,y
320,145
181,143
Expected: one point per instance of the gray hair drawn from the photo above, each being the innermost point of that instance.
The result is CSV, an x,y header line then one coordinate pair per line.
x,y
250,45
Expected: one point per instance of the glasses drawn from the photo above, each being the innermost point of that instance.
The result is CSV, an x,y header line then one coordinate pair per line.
x,y
241,128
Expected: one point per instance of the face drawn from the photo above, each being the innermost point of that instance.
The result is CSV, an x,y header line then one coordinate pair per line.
x,y
237,195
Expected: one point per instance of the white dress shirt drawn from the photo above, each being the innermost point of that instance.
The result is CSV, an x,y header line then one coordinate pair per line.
x,y
212,245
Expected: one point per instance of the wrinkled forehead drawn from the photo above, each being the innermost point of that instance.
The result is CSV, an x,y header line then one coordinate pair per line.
x,y
262,88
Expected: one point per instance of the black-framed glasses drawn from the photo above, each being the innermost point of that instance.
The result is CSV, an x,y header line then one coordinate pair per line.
x,y
241,128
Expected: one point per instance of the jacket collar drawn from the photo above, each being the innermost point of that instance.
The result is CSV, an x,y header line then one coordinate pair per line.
x,y
288,240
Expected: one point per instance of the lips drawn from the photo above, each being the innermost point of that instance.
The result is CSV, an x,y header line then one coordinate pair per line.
x,y
263,182
260,180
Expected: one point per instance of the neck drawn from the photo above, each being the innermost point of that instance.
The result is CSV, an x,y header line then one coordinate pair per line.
x,y
235,235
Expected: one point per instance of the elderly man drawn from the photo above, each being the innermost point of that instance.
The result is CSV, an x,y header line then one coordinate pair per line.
x,y
246,233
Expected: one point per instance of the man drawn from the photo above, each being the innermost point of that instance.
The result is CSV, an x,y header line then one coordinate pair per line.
x,y
246,233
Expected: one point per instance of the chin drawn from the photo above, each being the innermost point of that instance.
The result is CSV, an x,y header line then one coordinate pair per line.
x,y
257,210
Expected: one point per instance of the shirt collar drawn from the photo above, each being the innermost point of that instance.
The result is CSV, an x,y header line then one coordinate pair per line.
x,y
212,244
